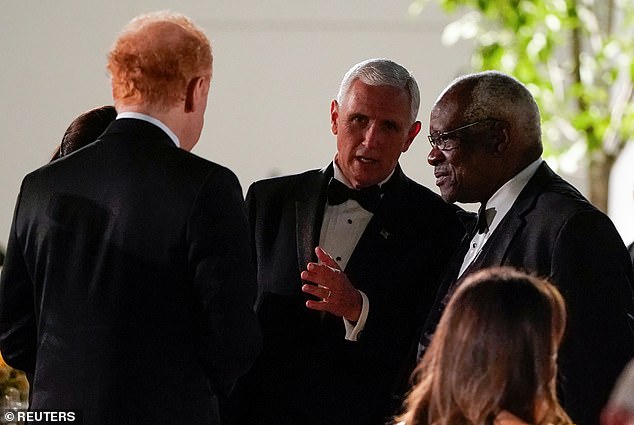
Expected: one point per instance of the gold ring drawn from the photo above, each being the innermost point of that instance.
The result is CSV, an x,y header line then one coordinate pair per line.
x,y
329,294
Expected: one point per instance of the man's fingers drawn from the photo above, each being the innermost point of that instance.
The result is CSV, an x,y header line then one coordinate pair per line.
x,y
312,274
318,305
325,258
319,273
318,291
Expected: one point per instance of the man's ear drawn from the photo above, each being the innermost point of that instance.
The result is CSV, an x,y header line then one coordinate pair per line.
x,y
500,137
195,89
334,116
411,134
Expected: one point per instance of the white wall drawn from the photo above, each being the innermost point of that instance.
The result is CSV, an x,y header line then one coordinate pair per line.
x,y
277,66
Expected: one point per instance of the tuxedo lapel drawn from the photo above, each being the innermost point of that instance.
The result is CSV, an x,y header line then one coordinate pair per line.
x,y
495,251
496,248
309,213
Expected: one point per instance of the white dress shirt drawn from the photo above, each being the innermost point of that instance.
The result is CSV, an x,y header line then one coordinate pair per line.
x,y
496,209
156,122
341,230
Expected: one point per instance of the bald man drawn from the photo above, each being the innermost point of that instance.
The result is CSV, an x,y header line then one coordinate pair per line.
x,y
128,287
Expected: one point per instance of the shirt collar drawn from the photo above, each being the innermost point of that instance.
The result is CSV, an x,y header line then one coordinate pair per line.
x,y
156,122
502,200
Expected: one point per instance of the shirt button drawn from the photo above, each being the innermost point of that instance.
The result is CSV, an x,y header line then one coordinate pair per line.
x,y
338,258
474,245
349,221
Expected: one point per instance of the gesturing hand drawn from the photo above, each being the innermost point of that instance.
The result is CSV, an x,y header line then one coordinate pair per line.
x,y
337,294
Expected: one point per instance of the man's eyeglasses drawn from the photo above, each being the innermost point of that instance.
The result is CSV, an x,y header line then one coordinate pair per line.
x,y
445,142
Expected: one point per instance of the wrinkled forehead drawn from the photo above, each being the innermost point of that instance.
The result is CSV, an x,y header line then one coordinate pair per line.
x,y
445,113
451,106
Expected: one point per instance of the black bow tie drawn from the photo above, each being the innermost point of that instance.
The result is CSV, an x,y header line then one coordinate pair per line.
x,y
368,197
485,216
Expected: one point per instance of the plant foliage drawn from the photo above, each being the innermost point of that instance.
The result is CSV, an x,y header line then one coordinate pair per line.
x,y
575,56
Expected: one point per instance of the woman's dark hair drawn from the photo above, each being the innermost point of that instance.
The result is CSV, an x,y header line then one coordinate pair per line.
x,y
85,129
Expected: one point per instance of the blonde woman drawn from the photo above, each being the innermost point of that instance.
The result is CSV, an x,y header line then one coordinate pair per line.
x,y
492,360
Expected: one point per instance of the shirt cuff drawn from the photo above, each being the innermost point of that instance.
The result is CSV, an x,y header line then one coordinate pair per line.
x,y
353,330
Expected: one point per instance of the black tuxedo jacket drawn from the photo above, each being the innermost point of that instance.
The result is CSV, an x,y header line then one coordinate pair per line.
x,y
128,286
308,373
553,231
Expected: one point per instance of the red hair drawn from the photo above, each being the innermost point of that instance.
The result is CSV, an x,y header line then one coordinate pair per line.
x,y
155,57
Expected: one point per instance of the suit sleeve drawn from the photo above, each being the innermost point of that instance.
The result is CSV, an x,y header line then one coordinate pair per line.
x,y
223,280
17,309
591,267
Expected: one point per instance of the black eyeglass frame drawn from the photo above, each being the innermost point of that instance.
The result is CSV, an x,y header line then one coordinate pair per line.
x,y
439,141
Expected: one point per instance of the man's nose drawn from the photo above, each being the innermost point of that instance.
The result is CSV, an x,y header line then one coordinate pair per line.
x,y
435,157
372,136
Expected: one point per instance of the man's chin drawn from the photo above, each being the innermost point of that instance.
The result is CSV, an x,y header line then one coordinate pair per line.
x,y
362,180
448,197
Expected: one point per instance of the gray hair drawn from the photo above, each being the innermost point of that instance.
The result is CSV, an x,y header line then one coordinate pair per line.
x,y
382,72
497,95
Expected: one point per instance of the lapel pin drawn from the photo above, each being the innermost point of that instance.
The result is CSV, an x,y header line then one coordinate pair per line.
x,y
385,233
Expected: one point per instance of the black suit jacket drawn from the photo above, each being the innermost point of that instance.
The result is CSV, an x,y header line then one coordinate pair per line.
x,y
308,373
128,286
553,231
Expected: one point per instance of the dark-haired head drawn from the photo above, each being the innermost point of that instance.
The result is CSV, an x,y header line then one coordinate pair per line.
x,y
85,129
